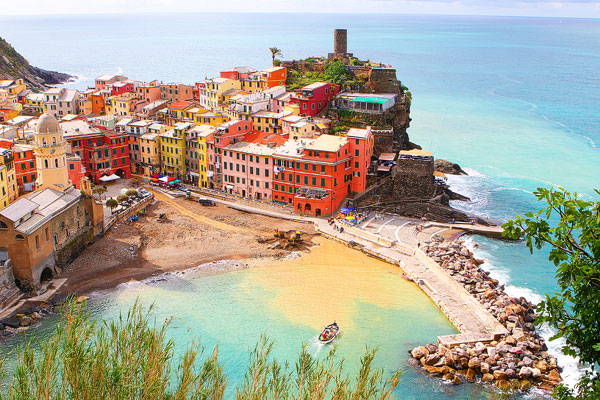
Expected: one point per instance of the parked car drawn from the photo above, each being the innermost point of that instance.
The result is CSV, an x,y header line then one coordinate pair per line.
x,y
143,193
207,202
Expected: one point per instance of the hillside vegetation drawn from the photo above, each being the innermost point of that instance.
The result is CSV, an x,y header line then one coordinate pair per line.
x,y
14,65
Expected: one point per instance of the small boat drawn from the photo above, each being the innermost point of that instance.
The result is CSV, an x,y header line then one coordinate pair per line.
x,y
329,333
408,278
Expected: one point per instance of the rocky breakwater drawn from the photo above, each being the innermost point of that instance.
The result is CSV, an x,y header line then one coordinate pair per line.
x,y
517,361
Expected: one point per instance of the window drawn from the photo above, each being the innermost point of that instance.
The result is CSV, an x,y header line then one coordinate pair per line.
x,y
37,242
71,166
356,164
322,182
356,152
24,179
47,234
3,226
314,167
306,180
19,237
314,181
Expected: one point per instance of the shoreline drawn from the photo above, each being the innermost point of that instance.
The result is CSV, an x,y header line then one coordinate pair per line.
x,y
519,360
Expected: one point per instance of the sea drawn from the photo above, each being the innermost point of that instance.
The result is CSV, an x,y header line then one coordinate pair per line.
x,y
515,101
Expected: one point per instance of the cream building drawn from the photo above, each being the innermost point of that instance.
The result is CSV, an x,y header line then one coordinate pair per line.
x,y
50,151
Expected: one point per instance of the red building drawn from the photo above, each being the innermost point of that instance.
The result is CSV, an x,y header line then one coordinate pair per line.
x,y
75,169
313,99
313,175
25,166
122,87
361,148
237,73
102,152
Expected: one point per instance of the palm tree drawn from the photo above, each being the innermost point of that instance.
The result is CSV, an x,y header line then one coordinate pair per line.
x,y
275,52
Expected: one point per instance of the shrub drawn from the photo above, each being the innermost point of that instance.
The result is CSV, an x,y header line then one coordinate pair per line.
x,y
130,359
131,192
121,198
112,203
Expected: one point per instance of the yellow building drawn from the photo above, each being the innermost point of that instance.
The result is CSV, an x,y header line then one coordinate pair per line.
x,y
266,121
210,118
215,88
10,89
121,104
203,134
172,150
150,153
4,173
50,151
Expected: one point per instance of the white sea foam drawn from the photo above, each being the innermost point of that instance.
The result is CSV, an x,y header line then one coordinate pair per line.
x,y
571,368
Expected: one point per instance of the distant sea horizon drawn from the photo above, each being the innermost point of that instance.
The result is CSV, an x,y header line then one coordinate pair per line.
x,y
513,100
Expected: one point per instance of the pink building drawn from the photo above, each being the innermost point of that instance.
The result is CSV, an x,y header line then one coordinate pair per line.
x,y
279,102
247,170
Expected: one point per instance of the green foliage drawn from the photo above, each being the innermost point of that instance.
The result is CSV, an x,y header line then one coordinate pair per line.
x,y
131,359
131,192
338,129
112,203
121,198
275,52
276,62
338,72
571,227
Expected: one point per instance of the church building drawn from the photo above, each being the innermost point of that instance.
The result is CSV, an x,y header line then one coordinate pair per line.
x,y
44,230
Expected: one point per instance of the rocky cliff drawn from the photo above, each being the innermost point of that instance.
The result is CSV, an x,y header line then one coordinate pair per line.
x,y
13,65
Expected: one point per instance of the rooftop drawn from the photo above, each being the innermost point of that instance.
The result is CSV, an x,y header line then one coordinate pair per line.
x,y
203,130
358,133
314,86
78,127
327,143
43,204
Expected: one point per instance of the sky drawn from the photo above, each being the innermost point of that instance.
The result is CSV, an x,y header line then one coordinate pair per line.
x,y
541,8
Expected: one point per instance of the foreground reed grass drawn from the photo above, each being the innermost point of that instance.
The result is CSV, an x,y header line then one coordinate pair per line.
x,y
130,359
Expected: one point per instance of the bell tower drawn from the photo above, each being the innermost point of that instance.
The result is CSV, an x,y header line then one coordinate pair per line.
x,y
50,150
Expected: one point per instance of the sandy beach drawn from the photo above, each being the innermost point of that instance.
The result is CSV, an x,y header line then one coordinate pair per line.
x,y
192,235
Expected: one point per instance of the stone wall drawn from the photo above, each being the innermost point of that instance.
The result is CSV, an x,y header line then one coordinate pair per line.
x,y
384,80
413,178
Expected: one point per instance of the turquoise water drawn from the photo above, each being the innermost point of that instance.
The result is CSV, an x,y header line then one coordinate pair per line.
x,y
515,101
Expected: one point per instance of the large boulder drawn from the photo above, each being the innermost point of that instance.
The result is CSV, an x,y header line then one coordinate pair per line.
x,y
448,167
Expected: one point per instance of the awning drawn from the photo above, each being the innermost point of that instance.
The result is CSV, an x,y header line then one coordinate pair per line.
x,y
387,156
229,186
108,178
164,179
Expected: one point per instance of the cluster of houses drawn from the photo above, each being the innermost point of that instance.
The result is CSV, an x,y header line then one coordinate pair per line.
x,y
242,133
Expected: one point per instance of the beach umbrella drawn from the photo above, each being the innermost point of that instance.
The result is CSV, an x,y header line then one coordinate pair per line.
x,y
345,210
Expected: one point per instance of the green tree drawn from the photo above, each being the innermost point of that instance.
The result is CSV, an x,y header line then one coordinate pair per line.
x,y
99,190
338,72
131,192
275,52
121,198
112,203
570,226
131,359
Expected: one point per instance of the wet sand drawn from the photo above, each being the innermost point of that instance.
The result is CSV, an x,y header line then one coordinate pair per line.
x,y
193,235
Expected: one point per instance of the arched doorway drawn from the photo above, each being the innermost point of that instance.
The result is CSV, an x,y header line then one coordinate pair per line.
x,y
46,275
300,206
307,207
317,212
120,173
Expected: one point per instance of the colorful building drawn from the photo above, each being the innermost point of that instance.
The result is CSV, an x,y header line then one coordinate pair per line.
x,y
61,102
313,99
176,91
149,91
172,150
361,148
313,175
103,152
25,167
150,153
104,81
204,135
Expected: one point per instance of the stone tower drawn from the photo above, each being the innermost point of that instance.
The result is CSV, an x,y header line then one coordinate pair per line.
x,y
50,150
340,41
340,46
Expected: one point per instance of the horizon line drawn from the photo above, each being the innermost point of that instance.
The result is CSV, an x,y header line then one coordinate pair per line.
x,y
53,14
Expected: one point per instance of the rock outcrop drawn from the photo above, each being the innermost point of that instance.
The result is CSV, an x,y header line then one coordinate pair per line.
x,y
448,167
519,360
13,66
